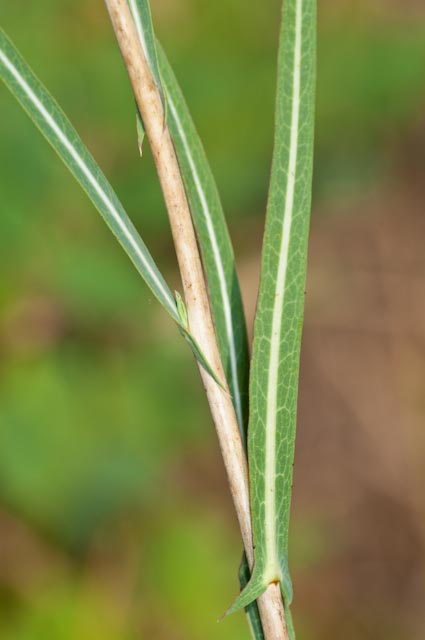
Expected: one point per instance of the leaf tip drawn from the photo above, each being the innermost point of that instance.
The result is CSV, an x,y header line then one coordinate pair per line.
x,y
255,587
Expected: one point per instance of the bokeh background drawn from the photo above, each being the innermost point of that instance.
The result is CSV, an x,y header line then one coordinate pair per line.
x,y
115,518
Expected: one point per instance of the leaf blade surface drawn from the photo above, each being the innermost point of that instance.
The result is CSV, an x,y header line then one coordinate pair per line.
x,y
207,214
56,128
214,240
278,323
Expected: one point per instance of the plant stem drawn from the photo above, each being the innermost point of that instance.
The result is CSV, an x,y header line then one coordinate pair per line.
x,y
195,291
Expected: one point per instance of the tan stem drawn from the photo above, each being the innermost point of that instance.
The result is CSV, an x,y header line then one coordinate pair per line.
x,y
195,291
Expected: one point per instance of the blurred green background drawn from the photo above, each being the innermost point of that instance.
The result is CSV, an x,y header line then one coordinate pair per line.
x,y
115,518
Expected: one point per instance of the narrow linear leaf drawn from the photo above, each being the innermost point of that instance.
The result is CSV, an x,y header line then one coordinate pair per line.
x,y
214,240
55,126
278,323
208,217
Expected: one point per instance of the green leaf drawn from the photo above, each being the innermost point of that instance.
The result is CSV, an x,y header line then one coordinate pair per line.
x,y
278,323
207,214
214,240
55,126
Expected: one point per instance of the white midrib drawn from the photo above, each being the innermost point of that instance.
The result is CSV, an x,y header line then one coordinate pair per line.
x,y
218,263
168,300
272,564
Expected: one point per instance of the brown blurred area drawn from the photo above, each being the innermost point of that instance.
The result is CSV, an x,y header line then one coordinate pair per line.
x,y
115,518
360,456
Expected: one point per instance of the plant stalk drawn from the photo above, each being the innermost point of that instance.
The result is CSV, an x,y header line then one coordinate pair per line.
x,y
195,292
